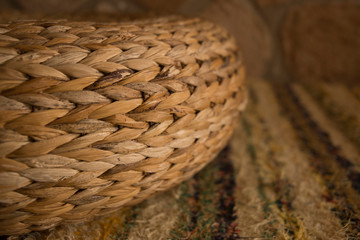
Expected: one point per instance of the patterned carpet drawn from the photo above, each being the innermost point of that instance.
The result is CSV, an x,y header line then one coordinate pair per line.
x,y
291,171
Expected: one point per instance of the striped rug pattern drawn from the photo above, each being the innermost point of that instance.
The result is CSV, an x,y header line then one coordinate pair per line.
x,y
291,171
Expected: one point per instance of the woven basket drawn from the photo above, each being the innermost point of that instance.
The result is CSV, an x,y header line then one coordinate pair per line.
x,y
99,116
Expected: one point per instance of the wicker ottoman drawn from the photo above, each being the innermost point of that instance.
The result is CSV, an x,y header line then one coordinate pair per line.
x,y
99,116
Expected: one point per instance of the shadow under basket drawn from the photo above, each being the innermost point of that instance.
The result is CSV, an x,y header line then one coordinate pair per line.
x,y
98,116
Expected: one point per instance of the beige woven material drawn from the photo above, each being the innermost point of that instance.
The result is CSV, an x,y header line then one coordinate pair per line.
x,y
99,116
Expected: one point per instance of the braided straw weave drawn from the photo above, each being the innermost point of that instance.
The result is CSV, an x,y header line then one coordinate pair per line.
x,y
98,116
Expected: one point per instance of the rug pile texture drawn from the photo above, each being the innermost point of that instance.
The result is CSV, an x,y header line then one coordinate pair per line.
x,y
291,171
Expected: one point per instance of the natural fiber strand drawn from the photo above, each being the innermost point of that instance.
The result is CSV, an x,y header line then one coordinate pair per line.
x,y
295,173
98,116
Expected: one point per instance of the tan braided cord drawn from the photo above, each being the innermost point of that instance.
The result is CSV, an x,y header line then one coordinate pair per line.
x,y
95,116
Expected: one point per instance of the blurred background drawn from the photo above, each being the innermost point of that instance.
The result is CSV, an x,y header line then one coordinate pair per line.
x,y
280,40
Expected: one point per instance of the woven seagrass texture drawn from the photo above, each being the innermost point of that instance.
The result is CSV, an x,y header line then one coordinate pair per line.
x,y
99,116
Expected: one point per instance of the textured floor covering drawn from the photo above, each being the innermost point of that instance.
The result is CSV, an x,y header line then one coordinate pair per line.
x,y
291,171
